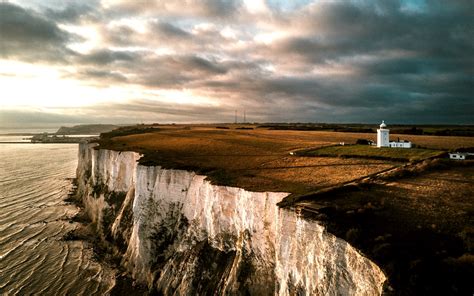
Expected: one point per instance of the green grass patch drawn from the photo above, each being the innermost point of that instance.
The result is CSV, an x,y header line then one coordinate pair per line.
x,y
372,152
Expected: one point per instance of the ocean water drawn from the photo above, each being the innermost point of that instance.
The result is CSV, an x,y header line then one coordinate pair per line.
x,y
34,258
14,139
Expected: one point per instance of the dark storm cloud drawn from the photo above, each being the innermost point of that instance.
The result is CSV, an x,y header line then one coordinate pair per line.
x,y
26,35
396,57
340,29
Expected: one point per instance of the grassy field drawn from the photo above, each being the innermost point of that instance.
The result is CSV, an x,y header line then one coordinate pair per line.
x,y
257,159
372,152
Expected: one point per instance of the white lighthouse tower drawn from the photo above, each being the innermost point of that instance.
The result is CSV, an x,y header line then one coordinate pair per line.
x,y
383,137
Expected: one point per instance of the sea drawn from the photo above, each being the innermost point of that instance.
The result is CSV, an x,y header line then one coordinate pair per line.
x,y
35,259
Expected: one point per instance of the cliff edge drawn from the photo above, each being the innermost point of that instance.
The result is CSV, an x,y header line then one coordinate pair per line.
x,y
179,234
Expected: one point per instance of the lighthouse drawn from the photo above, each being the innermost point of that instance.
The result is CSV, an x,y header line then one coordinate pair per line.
x,y
383,137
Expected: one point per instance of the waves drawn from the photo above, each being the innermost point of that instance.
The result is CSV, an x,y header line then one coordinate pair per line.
x,y
34,259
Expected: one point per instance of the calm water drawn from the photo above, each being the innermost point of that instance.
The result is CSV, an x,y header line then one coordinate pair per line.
x,y
34,260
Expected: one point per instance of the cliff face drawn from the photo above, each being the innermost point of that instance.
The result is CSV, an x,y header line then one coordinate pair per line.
x,y
180,234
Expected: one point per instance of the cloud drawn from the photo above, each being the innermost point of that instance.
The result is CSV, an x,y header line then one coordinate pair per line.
x,y
220,9
358,61
110,76
121,36
176,72
26,35
105,56
72,12
168,30
36,118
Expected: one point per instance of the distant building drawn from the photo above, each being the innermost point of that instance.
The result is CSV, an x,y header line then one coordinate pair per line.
x,y
383,139
461,155
400,144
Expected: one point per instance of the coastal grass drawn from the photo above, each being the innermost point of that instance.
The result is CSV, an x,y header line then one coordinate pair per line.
x,y
372,152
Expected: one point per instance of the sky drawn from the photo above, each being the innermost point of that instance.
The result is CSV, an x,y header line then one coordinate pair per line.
x,y
198,61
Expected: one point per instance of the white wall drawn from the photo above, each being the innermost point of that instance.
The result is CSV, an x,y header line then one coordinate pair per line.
x,y
383,137
456,156
400,144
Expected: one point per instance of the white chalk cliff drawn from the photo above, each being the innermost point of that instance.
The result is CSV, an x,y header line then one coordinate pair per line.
x,y
181,235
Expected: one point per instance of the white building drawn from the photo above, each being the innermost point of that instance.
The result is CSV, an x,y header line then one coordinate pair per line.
x,y
400,144
383,136
460,155
383,139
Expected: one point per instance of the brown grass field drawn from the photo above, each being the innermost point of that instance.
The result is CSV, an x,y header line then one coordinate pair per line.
x,y
259,159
